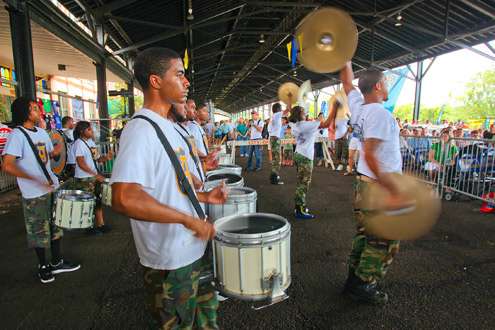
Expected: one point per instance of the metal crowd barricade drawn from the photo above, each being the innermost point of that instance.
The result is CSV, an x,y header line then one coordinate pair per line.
x,y
415,158
470,170
103,149
7,182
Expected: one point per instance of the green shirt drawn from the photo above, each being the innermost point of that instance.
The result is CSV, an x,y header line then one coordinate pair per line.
x,y
242,129
440,152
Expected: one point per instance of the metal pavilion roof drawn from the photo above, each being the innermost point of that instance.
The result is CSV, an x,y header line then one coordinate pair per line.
x,y
231,67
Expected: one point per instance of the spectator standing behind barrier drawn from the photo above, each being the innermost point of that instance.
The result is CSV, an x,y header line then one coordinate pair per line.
x,y
242,135
255,131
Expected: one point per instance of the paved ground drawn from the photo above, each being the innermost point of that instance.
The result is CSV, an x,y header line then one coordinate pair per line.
x,y
445,280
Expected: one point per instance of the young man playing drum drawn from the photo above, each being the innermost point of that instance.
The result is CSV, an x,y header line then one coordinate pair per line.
x,y
27,156
169,235
378,130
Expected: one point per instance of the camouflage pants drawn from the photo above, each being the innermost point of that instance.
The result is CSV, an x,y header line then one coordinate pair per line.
x,y
341,151
38,214
304,168
176,300
288,153
90,185
370,256
276,149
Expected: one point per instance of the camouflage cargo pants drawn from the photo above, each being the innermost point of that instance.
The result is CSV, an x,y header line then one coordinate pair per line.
x,y
304,168
38,214
176,300
370,256
341,151
276,149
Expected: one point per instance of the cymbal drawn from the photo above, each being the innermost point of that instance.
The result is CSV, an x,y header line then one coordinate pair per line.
x,y
343,111
304,90
408,223
329,39
288,93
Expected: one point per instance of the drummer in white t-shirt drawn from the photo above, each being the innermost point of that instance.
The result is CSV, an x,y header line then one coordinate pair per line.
x,y
379,132
305,133
170,238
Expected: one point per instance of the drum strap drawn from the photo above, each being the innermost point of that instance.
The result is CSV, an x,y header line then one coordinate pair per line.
x,y
36,155
196,160
181,176
94,161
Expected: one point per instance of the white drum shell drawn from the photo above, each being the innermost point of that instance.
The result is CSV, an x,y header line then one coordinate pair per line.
x,y
74,214
209,185
243,270
106,193
235,204
225,159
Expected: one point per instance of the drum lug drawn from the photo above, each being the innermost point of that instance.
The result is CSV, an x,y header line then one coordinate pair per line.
x,y
274,283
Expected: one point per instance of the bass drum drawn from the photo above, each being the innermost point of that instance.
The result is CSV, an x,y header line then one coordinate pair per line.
x,y
58,164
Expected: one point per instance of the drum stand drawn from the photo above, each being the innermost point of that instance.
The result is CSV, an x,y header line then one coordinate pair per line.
x,y
277,294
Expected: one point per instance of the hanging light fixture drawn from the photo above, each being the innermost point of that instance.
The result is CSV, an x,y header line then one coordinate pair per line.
x,y
190,16
398,20
262,39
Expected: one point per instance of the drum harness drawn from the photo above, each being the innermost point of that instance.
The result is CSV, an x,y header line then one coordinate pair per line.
x,y
181,176
36,155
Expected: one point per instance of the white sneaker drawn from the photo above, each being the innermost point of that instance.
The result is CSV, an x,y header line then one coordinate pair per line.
x,y
220,297
340,167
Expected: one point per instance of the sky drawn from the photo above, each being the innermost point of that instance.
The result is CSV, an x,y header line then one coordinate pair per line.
x,y
445,81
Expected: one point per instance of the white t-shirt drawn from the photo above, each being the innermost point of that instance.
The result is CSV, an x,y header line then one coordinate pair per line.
x,y
81,149
378,123
356,100
71,159
340,128
18,146
275,126
255,134
199,135
197,169
143,160
305,133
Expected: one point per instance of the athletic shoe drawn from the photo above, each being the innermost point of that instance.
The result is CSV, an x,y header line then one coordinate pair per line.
x,y
104,229
365,292
340,167
275,179
220,297
257,169
45,274
303,214
64,266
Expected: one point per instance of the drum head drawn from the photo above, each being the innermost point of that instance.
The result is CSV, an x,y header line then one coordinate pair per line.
x,y
58,164
230,178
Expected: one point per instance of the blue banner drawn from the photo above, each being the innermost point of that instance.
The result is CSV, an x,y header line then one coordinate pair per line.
x,y
396,82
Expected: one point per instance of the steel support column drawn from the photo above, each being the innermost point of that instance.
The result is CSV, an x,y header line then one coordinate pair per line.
x,y
130,90
417,94
101,85
20,30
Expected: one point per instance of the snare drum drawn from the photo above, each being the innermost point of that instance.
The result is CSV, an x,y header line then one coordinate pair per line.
x,y
74,209
231,180
106,193
239,201
226,168
251,256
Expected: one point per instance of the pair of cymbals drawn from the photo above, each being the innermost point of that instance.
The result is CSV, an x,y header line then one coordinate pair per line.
x,y
329,39
416,218
290,93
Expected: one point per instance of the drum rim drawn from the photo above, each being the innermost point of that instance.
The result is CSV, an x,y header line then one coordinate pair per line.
x,y
249,297
63,192
252,196
252,239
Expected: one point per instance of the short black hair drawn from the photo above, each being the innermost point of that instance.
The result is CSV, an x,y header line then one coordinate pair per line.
x,y
65,120
368,79
295,114
201,105
150,61
20,110
276,107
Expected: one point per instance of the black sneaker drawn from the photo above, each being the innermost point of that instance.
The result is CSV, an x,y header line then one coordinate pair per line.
x,y
64,266
104,229
366,292
45,274
275,179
